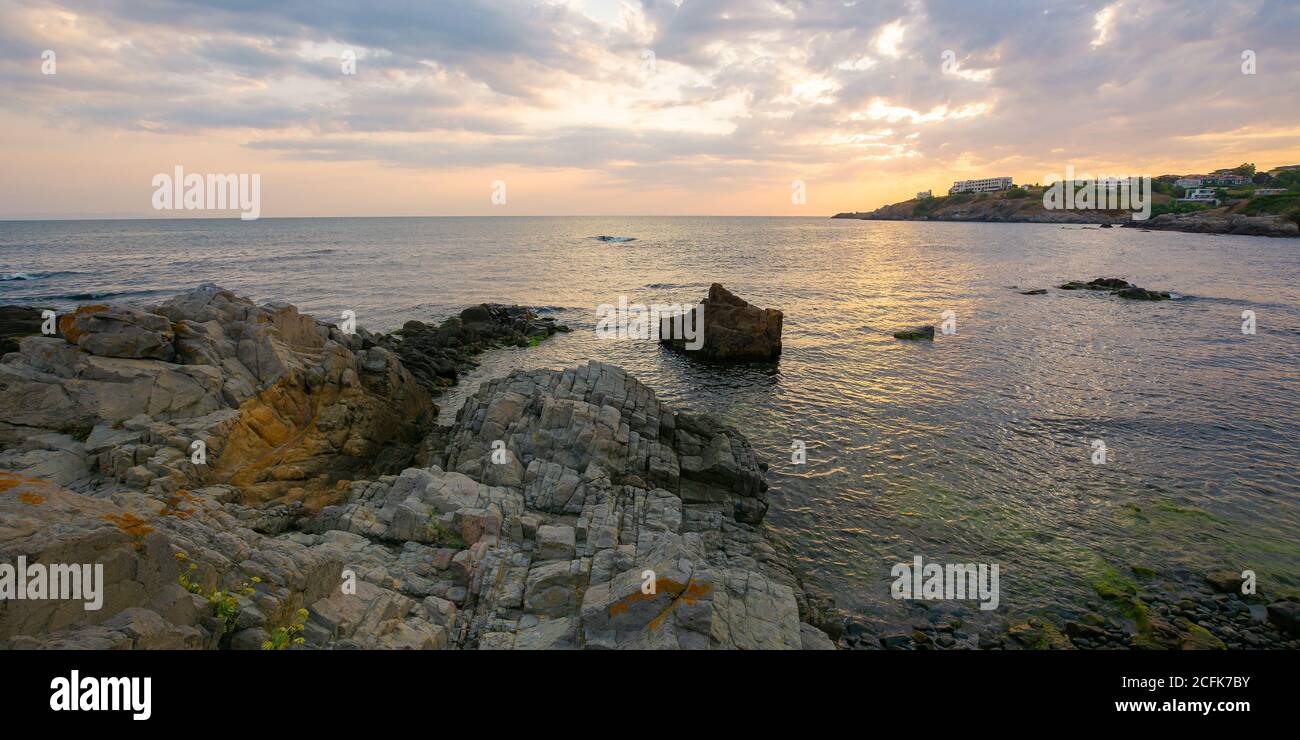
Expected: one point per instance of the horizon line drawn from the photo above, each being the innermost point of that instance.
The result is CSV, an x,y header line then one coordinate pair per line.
x,y
285,218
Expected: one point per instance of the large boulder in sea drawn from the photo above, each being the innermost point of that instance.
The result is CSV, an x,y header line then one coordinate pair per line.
x,y
734,330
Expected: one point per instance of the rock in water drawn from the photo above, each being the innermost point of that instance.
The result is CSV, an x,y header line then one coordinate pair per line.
x,y
1286,616
734,331
1135,293
1119,287
917,332
1225,581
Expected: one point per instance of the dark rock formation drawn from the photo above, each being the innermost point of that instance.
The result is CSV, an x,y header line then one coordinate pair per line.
x,y
734,330
1286,616
437,355
17,322
1119,287
916,332
1135,293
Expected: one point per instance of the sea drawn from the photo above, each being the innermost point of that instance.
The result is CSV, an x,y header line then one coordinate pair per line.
x,y
978,447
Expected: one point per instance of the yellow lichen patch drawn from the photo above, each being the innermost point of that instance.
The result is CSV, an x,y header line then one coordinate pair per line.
x,y
68,320
678,593
35,499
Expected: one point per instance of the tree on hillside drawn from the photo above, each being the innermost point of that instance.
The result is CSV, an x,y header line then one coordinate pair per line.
x,y
1288,179
1246,169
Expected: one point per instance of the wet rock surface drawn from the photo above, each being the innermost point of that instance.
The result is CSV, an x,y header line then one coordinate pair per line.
x,y
437,355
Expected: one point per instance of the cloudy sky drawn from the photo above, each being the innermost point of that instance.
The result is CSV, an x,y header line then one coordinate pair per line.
x,y
627,106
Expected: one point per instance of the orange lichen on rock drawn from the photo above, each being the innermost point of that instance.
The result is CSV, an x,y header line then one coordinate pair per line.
x,y
173,506
130,523
68,320
35,499
679,593
10,481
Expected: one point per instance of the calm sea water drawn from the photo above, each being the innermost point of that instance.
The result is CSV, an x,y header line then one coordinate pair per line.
x,y
973,448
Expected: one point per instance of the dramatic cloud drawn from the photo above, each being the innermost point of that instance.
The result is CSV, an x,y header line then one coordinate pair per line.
x,y
862,100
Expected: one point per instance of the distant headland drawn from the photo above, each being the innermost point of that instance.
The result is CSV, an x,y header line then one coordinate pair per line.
x,y
1237,200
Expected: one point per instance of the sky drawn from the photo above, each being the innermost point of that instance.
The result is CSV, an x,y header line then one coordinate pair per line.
x,y
568,107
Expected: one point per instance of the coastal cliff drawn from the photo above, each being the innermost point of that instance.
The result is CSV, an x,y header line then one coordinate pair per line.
x,y
561,509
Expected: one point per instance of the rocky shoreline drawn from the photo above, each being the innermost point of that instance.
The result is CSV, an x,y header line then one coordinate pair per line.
x,y
1219,222
561,509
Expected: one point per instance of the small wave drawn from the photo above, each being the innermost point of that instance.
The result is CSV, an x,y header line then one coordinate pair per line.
x,y
85,296
35,275
103,295
617,239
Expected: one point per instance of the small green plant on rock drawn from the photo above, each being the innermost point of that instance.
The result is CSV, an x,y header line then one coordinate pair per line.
x,y
224,605
442,536
283,637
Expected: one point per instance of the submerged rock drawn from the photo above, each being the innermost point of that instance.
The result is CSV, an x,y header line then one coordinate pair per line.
x,y
1119,287
916,332
1142,294
1286,616
734,330
1098,284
